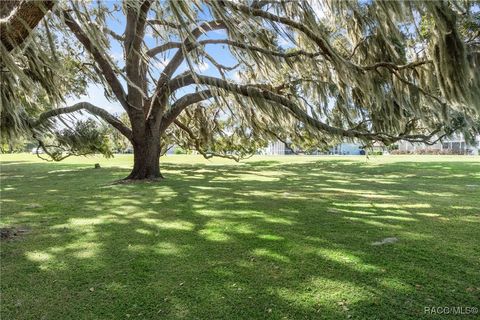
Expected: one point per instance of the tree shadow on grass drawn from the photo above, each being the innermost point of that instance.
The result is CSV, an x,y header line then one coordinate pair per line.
x,y
263,163
280,241
6,163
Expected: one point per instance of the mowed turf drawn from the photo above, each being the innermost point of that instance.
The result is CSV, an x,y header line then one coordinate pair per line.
x,y
270,238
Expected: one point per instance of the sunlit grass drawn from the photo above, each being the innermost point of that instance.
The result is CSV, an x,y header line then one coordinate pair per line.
x,y
271,237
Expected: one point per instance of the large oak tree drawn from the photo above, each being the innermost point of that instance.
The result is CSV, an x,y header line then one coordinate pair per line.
x,y
310,72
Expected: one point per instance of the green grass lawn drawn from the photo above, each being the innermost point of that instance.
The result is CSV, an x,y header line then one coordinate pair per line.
x,y
270,238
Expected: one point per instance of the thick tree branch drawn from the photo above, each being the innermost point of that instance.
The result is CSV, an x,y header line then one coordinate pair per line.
x,y
94,110
164,23
18,18
393,66
113,34
135,26
161,89
301,115
173,45
237,44
100,59
164,47
180,105
153,22
253,91
188,44
135,67
258,4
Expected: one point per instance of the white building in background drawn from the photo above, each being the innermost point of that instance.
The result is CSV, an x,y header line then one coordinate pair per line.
x,y
275,148
347,149
279,148
455,144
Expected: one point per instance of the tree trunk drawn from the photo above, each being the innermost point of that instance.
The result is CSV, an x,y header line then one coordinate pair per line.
x,y
146,157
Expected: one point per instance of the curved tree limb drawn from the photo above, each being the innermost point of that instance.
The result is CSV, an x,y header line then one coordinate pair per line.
x,y
393,66
176,45
103,64
297,112
220,67
113,34
160,92
94,110
164,47
161,22
53,157
180,105
237,44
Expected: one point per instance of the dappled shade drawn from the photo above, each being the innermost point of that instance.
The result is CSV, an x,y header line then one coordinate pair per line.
x,y
258,239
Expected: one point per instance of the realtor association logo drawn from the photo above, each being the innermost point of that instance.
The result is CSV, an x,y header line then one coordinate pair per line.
x,y
452,310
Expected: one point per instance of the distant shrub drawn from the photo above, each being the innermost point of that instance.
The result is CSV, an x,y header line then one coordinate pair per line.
x,y
179,150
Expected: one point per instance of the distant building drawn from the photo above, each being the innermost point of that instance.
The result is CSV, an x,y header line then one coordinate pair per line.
x,y
274,148
455,145
280,148
277,148
347,149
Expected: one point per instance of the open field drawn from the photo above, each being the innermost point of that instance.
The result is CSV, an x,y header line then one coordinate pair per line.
x,y
269,238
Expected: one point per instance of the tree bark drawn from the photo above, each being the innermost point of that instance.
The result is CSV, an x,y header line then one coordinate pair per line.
x,y
146,155
18,18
